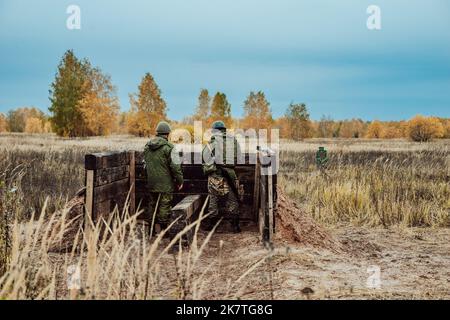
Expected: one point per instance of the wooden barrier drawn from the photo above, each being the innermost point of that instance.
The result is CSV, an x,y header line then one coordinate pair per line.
x,y
114,177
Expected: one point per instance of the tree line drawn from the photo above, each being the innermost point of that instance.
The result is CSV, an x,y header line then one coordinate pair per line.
x,y
84,102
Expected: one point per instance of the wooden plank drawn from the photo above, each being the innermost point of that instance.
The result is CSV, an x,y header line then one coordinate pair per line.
x,y
89,200
195,171
109,191
142,194
189,157
255,209
101,209
95,161
270,204
262,208
132,184
109,175
188,206
105,208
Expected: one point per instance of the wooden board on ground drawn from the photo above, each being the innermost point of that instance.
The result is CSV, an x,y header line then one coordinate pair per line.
x,y
188,206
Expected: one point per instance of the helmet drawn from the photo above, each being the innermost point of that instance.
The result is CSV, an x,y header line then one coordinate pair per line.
x,y
163,128
219,125
322,148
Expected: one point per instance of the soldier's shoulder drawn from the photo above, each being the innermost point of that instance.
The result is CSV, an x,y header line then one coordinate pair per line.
x,y
170,145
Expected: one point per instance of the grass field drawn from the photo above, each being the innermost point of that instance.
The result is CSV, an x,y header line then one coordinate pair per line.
x,y
385,196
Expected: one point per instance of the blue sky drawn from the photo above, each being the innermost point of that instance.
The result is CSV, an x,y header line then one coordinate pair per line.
x,y
317,52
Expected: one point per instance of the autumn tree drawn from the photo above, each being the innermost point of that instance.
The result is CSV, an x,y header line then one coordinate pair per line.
x,y
354,128
257,114
299,123
394,130
3,123
375,130
203,110
220,109
99,107
17,118
67,90
446,126
147,108
34,125
423,129
325,127
282,124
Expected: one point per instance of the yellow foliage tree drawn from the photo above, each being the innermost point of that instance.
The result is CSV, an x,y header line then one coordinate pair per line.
x,y
47,127
354,128
3,123
375,130
393,130
446,126
423,129
147,108
282,124
34,125
99,105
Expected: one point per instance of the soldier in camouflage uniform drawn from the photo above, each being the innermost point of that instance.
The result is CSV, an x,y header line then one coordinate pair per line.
x,y
163,172
222,179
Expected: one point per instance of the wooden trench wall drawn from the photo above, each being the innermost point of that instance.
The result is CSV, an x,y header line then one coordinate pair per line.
x,y
114,177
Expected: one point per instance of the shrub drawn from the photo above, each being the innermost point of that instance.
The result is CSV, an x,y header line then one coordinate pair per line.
x,y
424,129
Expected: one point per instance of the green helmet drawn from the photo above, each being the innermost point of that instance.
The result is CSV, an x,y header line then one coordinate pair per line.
x,y
220,125
163,128
322,148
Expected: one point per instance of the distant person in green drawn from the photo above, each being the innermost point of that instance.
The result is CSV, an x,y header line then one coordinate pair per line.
x,y
223,185
164,174
321,158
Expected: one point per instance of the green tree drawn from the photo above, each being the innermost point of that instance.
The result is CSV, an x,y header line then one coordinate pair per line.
x,y
203,109
257,112
298,119
66,91
147,108
221,109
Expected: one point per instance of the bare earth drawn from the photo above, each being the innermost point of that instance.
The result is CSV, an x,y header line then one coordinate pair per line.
x,y
414,264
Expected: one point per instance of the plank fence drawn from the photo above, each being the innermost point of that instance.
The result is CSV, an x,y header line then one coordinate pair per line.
x,y
114,177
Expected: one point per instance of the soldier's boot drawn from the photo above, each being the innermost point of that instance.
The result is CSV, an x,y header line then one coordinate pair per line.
x,y
235,228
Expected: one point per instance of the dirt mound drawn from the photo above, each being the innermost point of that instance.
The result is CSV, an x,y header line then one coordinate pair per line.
x,y
295,226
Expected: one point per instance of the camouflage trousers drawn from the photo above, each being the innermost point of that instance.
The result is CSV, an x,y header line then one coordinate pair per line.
x,y
162,215
222,202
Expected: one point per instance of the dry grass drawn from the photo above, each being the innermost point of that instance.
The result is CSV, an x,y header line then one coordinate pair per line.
x,y
388,183
367,183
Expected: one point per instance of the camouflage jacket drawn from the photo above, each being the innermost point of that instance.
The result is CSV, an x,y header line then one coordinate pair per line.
x,y
162,171
215,156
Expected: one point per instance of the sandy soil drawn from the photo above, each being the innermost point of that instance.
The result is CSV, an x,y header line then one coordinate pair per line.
x,y
414,264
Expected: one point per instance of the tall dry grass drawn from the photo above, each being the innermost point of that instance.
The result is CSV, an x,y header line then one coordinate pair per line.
x,y
111,259
372,187
377,183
